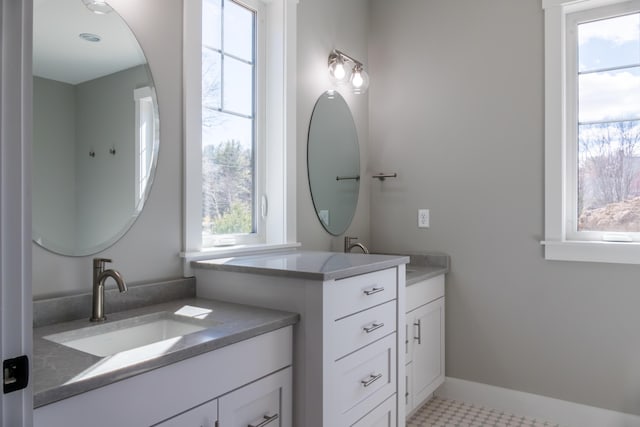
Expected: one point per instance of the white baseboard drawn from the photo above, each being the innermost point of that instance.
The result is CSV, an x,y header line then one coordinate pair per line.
x,y
567,414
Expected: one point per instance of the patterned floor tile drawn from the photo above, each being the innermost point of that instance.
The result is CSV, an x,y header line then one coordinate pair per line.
x,y
440,412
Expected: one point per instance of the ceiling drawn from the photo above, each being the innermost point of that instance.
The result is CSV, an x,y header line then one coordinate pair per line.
x,y
60,54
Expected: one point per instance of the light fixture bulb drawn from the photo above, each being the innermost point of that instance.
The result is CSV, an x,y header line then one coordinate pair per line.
x,y
338,73
359,80
338,70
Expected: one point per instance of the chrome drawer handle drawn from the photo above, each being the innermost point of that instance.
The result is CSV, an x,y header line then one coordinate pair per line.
x,y
266,419
373,290
419,337
373,327
372,378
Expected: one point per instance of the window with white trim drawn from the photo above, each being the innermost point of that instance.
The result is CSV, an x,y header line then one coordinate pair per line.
x,y
231,117
239,125
592,140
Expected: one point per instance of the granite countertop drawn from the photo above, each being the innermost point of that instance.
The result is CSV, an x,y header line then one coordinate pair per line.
x,y
418,273
423,266
60,372
305,264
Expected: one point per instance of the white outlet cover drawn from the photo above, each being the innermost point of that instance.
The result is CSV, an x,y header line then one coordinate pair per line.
x,y
423,218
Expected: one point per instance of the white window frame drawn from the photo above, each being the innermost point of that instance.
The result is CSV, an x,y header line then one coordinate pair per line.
x,y
259,172
560,142
277,202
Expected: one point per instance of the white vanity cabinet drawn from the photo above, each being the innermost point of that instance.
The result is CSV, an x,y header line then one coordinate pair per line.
x,y
424,347
266,402
234,386
205,415
346,345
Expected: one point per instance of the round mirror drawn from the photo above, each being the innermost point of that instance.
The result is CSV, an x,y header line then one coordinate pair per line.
x,y
333,161
95,127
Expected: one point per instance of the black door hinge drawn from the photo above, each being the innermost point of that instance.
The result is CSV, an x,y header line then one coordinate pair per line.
x,y
15,374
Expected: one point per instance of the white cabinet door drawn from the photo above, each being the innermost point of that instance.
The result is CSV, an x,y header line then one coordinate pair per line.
x,y
408,395
428,349
264,403
382,416
204,415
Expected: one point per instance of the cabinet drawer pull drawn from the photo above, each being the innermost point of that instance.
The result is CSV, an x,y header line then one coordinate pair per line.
x,y
373,327
419,337
266,419
373,290
372,378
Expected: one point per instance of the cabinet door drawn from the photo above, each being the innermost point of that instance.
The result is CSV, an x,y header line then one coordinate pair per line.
x,y
408,337
264,403
408,395
204,415
382,416
428,349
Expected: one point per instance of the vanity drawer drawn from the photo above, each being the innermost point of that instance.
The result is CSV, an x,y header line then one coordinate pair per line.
x,y
356,331
366,378
353,294
383,416
425,291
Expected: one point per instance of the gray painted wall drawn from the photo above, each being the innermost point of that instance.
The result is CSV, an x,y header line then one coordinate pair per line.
x,y
54,189
457,110
324,25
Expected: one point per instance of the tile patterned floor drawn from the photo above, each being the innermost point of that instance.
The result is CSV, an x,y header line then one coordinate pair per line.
x,y
440,412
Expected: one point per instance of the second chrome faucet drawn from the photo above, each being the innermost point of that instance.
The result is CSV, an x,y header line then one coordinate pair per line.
x,y
99,277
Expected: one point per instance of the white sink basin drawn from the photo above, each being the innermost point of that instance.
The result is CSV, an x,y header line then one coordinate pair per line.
x,y
114,337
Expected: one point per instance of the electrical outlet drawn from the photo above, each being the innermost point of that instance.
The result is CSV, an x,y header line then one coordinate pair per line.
x,y
423,218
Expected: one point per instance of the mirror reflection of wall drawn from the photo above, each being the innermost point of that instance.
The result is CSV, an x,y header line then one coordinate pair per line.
x,y
95,128
333,161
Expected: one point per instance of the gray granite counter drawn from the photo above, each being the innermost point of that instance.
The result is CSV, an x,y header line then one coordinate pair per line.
x,y
425,265
305,264
60,372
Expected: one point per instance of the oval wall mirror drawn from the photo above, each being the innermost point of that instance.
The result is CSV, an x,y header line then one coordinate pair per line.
x,y
333,162
95,128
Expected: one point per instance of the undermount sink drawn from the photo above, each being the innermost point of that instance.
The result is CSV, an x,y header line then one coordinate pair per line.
x,y
114,337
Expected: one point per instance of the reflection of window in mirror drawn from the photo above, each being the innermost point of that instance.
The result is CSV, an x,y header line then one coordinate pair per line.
x,y
145,131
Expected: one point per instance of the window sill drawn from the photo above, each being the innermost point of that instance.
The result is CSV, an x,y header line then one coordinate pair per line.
x,y
230,251
608,252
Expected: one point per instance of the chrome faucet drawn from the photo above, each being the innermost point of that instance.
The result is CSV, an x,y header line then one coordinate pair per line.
x,y
99,277
348,245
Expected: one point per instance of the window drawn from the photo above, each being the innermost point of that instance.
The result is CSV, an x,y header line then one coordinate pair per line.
x,y
231,131
592,140
239,126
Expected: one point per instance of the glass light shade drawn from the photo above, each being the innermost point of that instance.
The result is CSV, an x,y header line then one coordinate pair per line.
x,y
337,71
99,7
359,80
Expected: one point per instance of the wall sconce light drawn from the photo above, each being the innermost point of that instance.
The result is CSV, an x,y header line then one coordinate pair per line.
x,y
340,73
99,7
